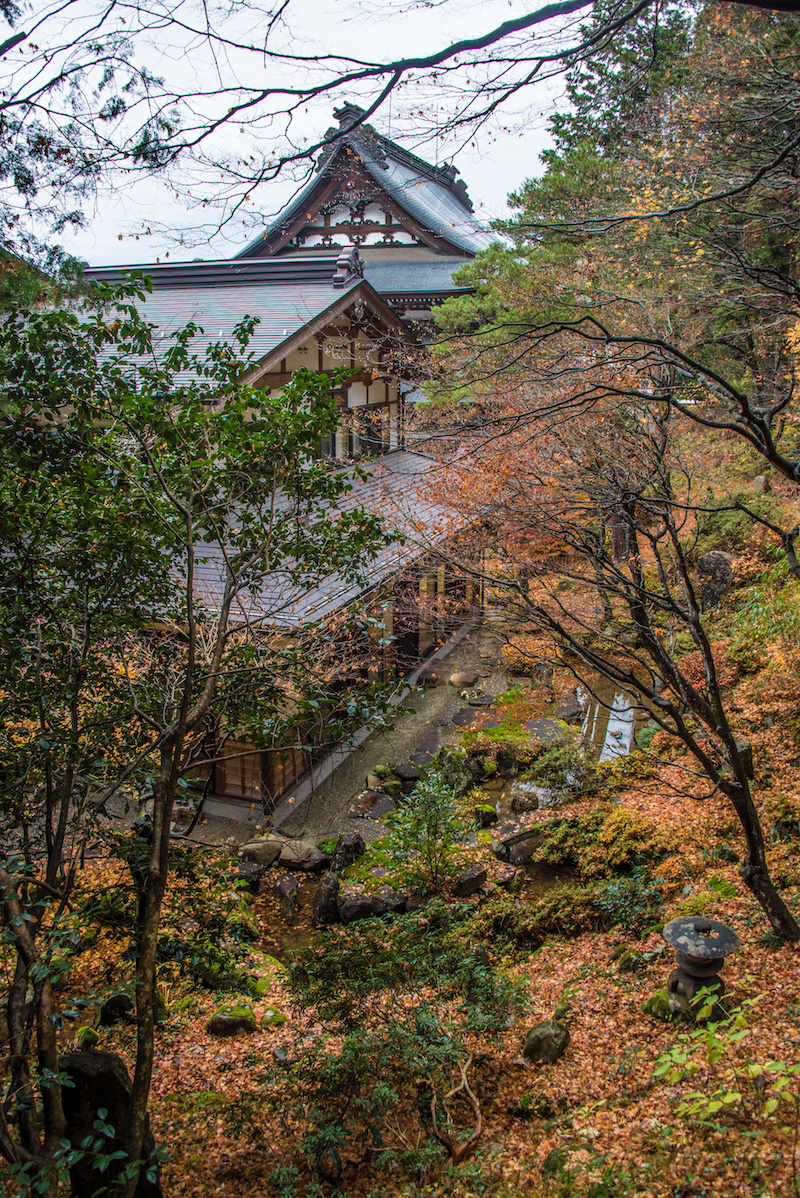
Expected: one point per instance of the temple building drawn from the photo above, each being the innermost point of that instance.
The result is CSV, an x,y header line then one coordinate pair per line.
x,y
346,276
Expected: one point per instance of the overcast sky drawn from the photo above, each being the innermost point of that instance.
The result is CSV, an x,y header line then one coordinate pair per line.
x,y
493,161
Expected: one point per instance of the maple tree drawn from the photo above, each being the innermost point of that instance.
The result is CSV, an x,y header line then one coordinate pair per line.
x,y
125,477
644,295
593,538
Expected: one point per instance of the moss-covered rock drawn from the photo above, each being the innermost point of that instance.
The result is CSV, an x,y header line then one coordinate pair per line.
x,y
230,1021
485,814
258,987
272,1018
669,1008
87,1038
547,1042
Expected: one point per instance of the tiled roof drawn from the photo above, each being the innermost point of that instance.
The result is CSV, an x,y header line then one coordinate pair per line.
x,y
325,267
402,277
433,195
434,206
398,487
281,311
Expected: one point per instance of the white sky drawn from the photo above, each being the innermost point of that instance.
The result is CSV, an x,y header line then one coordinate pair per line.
x,y
493,162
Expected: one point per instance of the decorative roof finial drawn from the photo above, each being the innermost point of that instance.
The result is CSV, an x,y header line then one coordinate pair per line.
x,y
348,113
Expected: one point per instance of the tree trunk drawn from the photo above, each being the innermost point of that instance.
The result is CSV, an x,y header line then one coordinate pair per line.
x,y
755,870
151,882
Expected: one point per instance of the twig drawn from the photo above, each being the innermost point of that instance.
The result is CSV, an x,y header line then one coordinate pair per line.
x,y
459,1152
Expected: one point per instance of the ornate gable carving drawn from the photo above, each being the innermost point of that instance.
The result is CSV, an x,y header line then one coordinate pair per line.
x,y
347,206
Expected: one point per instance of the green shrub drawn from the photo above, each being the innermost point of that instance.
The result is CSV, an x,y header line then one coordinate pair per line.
x,y
506,747
605,840
731,530
721,886
426,828
567,911
562,765
401,999
645,735
768,612
634,902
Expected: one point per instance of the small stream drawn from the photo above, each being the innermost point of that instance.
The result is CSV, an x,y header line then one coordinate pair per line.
x,y
610,721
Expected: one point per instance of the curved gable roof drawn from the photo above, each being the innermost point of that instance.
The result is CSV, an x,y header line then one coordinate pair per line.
x,y
433,196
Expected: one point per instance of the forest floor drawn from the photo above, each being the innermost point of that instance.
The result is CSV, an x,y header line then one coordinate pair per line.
x,y
634,1105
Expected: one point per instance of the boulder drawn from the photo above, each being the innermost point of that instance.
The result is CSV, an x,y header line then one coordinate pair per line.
x,y
353,905
469,882
231,1021
716,574
726,853
761,484
524,796
182,815
367,799
407,772
302,854
247,874
546,1042
669,1008
393,787
521,852
384,806
547,732
117,1008
386,900
570,710
100,1081
272,1018
632,962
87,1038
542,672
348,848
516,844
264,852
462,679
505,876
479,716
486,815
287,892
324,910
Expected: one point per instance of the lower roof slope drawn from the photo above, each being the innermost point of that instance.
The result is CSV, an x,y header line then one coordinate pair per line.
x,y
399,487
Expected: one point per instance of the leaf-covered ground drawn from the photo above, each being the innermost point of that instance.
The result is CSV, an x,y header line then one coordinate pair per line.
x,y
610,1117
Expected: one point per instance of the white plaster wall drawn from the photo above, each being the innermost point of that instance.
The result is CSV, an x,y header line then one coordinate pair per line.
x,y
357,395
296,359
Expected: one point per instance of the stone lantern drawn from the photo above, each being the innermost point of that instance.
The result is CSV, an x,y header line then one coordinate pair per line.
x,y
701,946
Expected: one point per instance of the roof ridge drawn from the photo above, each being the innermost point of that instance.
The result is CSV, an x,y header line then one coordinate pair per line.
x,y
335,268
445,176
